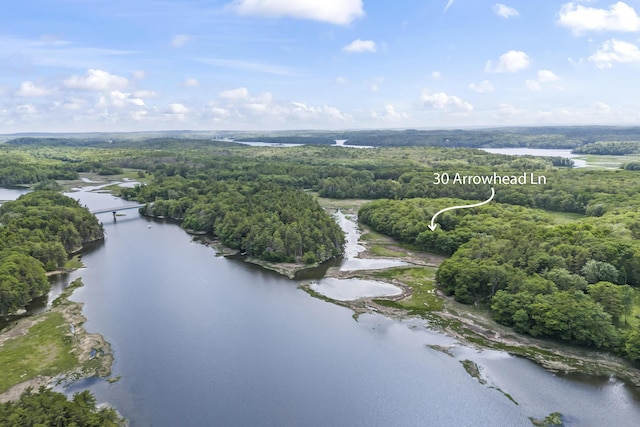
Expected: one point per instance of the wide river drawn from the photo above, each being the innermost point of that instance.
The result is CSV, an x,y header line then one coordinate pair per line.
x,y
202,340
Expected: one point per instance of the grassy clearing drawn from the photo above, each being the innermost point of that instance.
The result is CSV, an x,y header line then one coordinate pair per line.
x,y
609,162
381,250
372,236
565,217
633,319
351,205
133,174
421,280
45,350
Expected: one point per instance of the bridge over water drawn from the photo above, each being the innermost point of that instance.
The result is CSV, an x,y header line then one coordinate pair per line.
x,y
116,209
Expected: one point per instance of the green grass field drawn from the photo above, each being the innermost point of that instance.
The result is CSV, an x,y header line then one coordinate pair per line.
x,y
45,350
421,281
565,217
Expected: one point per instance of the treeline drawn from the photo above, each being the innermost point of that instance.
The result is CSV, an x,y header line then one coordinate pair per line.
x,y
566,281
609,148
590,192
38,231
264,220
565,137
51,408
560,137
16,168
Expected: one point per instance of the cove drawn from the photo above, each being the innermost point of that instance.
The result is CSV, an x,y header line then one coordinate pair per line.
x,y
202,340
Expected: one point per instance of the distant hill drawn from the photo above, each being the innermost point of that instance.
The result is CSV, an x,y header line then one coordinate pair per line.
x,y
565,137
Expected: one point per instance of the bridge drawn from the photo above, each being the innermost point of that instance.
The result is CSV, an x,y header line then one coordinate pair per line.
x,y
117,209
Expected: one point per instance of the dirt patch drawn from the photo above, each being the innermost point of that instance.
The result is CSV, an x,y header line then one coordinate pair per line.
x,y
20,328
14,392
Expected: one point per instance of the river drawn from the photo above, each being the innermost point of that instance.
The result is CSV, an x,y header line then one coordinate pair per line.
x,y
202,340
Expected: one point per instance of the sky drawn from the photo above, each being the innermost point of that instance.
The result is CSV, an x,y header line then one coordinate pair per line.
x,y
136,65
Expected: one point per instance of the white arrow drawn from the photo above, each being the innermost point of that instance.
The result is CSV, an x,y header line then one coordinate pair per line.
x,y
433,225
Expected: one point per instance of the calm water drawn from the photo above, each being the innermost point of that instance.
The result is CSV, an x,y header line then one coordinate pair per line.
x,y
351,261
11,193
202,340
352,289
578,163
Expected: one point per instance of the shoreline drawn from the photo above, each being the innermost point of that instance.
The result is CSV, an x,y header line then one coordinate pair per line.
x,y
474,328
93,353
289,270
470,325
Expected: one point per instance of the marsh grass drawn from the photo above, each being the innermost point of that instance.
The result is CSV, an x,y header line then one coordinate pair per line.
x,y
421,280
46,350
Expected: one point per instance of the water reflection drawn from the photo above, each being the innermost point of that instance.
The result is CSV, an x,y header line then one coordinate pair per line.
x,y
352,289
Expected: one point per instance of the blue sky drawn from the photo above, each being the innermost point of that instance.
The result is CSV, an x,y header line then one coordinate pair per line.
x,y
123,65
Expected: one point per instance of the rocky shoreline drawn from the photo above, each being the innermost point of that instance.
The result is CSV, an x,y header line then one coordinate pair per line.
x,y
473,326
92,351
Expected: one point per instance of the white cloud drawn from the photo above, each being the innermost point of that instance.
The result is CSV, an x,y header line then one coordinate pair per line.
x,y
72,104
615,51
342,80
580,19
240,93
26,109
435,75
509,110
390,115
191,82
504,11
442,101
219,112
544,77
262,111
179,40
118,99
482,87
98,80
360,46
510,62
305,112
176,110
30,90
145,94
547,76
340,12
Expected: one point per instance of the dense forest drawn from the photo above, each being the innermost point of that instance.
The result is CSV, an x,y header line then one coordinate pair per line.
x,y
263,220
38,232
557,259
612,148
50,408
571,281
